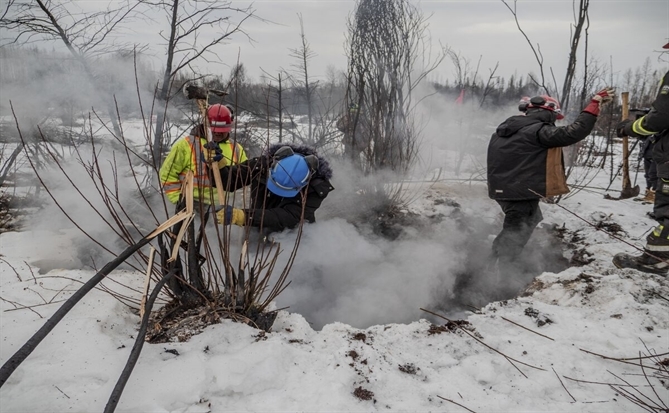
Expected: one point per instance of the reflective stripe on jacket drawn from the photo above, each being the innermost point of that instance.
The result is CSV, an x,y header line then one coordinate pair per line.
x,y
657,120
186,155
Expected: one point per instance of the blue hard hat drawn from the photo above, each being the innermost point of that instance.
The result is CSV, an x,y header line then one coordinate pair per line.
x,y
288,175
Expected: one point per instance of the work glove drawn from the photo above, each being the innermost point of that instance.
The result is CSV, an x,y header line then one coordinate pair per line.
x,y
212,152
227,215
602,97
622,127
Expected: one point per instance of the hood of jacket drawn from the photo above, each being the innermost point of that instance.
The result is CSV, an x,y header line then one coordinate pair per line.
x,y
512,125
324,169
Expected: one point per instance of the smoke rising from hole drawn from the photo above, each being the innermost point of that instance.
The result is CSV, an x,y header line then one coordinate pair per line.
x,y
345,271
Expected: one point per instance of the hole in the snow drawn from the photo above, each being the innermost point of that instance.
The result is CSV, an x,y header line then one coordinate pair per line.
x,y
483,282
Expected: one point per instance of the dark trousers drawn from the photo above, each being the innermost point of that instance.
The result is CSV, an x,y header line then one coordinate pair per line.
x,y
650,173
520,219
661,205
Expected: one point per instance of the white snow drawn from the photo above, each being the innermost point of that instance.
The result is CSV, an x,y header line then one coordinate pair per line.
x,y
233,367
406,361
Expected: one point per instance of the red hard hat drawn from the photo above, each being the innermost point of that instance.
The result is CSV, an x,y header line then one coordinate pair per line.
x,y
666,46
220,118
548,103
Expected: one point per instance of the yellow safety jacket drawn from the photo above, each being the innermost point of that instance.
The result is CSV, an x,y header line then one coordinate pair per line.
x,y
186,155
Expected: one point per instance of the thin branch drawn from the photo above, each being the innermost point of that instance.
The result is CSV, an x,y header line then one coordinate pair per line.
x,y
457,404
532,331
509,359
563,386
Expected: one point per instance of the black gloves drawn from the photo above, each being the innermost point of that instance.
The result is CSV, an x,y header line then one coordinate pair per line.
x,y
623,128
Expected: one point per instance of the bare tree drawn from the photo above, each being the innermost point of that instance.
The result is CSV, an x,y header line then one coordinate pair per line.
x,y
187,20
462,67
85,35
301,80
294,93
488,88
389,55
536,51
580,17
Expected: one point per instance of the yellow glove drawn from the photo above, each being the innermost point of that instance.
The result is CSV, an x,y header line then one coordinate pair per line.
x,y
228,215
223,162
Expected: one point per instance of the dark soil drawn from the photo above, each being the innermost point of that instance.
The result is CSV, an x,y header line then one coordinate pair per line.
x,y
409,368
360,336
435,329
175,323
363,394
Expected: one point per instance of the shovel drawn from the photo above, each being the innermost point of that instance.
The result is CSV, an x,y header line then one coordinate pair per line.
x,y
628,191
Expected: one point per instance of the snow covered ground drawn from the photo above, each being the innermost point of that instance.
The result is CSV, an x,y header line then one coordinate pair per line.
x,y
407,366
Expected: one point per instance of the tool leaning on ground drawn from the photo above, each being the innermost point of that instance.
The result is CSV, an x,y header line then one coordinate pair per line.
x,y
201,96
628,191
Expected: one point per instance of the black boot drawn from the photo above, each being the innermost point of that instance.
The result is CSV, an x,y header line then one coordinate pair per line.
x,y
655,258
644,262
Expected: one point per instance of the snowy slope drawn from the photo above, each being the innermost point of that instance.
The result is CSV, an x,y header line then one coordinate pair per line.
x,y
390,367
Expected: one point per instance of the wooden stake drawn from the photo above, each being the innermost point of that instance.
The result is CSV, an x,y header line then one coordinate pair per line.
x,y
625,96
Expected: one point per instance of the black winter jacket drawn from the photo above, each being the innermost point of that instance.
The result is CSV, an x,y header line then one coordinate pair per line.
x,y
518,154
271,212
656,122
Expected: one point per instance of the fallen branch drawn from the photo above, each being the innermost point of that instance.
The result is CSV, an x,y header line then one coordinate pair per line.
x,y
29,307
598,382
563,386
509,359
617,359
651,385
532,331
13,269
600,229
18,357
632,397
18,306
662,297
457,404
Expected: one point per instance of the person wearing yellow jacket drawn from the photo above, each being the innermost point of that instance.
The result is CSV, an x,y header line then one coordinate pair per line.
x,y
194,153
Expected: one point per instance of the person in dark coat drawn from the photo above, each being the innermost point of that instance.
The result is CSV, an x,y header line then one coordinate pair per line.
x,y
655,258
649,168
288,184
525,164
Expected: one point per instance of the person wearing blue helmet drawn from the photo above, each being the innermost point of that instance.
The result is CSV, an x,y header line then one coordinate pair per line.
x,y
288,184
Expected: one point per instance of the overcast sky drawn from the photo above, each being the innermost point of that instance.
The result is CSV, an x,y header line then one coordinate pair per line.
x,y
622,32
